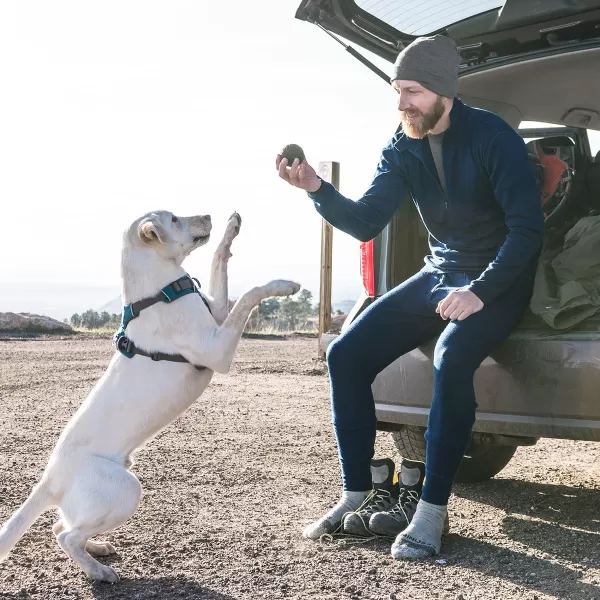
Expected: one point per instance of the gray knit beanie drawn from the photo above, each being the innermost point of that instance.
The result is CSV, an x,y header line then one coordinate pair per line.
x,y
433,61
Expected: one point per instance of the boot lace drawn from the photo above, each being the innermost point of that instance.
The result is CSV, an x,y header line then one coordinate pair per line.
x,y
377,501
406,500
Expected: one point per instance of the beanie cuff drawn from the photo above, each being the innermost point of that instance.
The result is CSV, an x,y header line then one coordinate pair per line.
x,y
434,83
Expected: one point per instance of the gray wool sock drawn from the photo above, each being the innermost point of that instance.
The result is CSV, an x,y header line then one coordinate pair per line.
x,y
423,537
329,522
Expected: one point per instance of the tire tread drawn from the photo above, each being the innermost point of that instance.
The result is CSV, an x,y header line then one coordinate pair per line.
x,y
410,443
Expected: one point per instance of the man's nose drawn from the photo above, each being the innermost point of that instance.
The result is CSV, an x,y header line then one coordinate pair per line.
x,y
403,103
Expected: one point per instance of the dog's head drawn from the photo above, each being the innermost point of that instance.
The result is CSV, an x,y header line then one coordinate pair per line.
x,y
170,236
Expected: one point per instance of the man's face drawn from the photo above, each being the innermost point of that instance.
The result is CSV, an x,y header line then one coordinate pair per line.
x,y
420,109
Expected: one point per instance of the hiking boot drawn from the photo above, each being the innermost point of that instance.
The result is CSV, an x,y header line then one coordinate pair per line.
x,y
392,521
382,498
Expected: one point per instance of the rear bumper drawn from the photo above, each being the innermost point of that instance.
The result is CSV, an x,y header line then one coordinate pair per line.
x,y
499,423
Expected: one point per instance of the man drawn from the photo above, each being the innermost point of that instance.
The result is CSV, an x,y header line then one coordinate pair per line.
x,y
468,173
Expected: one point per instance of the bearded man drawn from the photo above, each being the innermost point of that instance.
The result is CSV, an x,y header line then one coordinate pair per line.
x,y
469,175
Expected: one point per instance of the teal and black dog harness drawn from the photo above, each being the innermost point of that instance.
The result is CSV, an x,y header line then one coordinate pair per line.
x,y
177,289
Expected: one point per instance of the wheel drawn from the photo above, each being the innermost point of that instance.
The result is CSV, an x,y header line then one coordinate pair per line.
x,y
410,442
481,462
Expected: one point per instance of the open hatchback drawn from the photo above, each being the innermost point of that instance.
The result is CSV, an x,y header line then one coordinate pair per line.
x,y
524,60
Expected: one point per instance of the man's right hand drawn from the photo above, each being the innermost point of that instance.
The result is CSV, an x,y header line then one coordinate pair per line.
x,y
299,174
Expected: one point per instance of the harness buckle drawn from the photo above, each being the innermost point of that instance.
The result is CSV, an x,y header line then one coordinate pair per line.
x,y
125,344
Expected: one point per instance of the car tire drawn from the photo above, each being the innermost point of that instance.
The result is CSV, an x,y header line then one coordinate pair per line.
x,y
482,462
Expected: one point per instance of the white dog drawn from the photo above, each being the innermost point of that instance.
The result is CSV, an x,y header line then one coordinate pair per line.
x,y
87,477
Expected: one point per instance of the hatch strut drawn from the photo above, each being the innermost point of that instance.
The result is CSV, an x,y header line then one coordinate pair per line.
x,y
358,56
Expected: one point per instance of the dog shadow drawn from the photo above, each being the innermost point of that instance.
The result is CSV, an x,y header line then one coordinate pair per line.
x,y
161,588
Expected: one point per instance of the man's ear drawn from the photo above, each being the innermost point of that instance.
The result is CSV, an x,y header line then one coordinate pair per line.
x,y
150,231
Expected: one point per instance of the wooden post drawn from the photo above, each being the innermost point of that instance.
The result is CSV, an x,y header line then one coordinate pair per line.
x,y
328,171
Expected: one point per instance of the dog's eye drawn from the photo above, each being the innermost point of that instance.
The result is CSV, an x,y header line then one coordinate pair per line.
x,y
174,219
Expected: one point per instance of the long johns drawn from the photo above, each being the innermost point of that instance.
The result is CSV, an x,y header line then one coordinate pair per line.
x,y
395,324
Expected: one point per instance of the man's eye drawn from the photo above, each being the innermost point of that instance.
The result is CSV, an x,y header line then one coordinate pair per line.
x,y
174,219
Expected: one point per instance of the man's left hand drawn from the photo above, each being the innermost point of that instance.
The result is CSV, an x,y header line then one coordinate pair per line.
x,y
458,305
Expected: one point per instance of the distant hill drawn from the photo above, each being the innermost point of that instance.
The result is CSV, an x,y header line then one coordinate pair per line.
x,y
25,322
56,300
114,307
344,305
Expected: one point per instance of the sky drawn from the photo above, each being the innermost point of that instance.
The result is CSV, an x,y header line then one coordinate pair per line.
x,y
113,109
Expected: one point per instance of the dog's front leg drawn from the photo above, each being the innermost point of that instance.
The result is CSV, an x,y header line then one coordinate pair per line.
x,y
217,287
217,352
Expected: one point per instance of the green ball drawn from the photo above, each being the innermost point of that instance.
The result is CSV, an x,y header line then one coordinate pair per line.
x,y
291,152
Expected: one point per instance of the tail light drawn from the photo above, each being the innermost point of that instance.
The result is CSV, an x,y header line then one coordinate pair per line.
x,y
367,267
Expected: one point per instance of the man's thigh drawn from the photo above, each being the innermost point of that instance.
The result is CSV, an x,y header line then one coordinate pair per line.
x,y
396,323
467,343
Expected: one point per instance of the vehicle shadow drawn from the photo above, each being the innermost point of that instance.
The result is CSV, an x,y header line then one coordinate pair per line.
x,y
530,572
550,538
566,505
560,520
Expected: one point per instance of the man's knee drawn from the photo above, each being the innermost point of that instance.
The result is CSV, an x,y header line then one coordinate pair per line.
x,y
453,360
342,353
454,370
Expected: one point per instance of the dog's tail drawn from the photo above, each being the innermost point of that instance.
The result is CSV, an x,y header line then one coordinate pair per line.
x,y
14,529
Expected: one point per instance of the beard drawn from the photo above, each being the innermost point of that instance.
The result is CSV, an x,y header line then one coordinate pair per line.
x,y
421,123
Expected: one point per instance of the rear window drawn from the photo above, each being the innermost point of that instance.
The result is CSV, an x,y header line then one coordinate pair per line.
x,y
427,16
593,135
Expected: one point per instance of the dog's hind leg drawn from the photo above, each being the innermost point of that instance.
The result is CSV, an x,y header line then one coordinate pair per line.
x,y
95,548
218,285
100,501
73,544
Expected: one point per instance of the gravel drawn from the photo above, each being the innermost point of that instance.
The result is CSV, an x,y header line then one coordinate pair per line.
x,y
229,486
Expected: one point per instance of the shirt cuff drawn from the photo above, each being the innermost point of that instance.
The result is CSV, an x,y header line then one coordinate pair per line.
x,y
479,289
322,191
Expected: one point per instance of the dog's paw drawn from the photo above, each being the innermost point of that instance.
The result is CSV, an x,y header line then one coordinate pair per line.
x,y
234,224
231,231
103,573
281,287
100,548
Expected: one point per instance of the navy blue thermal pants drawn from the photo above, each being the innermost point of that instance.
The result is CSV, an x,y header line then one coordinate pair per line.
x,y
393,325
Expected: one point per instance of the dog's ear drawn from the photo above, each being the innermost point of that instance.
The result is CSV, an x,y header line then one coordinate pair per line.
x,y
151,231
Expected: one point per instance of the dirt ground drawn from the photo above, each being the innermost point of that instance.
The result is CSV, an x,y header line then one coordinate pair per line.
x,y
229,486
